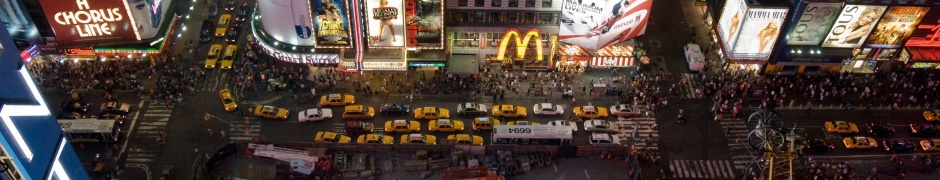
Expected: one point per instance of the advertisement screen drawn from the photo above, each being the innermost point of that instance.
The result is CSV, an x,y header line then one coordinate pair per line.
x,y
149,15
332,25
927,33
288,21
88,22
386,23
423,23
853,25
731,19
761,27
897,25
595,24
814,23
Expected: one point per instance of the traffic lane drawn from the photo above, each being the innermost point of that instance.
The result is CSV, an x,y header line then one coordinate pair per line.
x,y
859,116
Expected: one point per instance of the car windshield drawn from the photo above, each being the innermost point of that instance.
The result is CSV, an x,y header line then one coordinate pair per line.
x,y
227,100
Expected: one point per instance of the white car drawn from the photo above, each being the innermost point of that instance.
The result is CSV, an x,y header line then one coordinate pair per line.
x,y
599,126
471,108
315,114
625,110
563,123
548,109
601,139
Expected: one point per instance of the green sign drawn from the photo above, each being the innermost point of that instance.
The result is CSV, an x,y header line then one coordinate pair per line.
x,y
426,64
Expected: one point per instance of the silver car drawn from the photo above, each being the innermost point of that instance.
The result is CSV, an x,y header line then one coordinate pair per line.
x,y
471,108
600,126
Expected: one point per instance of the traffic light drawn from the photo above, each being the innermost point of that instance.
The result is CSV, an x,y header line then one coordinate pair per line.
x,y
206,117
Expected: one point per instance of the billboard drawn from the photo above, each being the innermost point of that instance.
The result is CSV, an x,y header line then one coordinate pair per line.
x,y
332,25
814,23
731,19
927,33
423,23
288,21
88,22
897,25
149,15
386,23
595,24
853,25
761,27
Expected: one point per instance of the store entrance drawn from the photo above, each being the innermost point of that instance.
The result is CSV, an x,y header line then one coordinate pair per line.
x,y
859,66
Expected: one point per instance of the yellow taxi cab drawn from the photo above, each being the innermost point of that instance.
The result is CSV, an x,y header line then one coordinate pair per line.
x,y
358,112
860,142
402,126
841,127
522,123
484,123
323,136
466,139
375,139
932,115
228,58
418,139
337,100
431,113
271,112
445,125
214,51
590,112
508,110
222,27
930,145
227,101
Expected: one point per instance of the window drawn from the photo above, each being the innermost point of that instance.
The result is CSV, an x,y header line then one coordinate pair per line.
x,y
529,3
511,17
478,17
496,3
546,3
548,18
513,3
528,18
492,17
462,3
478,3
459,17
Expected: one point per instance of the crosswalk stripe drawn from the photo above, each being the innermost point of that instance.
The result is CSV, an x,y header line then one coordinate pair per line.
x,y
162,111
240,138
729,171
701,169
153,123
156,115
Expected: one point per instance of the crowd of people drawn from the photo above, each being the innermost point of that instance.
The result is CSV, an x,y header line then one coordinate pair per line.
x,y
118,73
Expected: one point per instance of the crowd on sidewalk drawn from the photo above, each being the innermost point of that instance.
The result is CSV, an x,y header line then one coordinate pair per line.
x,y
119,73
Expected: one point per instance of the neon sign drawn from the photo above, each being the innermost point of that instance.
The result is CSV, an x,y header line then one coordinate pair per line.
x,y
90,22
521,44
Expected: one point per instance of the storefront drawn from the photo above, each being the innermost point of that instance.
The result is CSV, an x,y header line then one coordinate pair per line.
x,y
502,48
808,60
607,57
921,58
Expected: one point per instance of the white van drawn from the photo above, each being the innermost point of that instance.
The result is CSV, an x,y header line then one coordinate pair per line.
x,y
695,57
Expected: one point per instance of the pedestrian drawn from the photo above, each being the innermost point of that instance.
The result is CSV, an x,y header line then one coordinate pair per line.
x,y
222,132
572,101
210,131
196,150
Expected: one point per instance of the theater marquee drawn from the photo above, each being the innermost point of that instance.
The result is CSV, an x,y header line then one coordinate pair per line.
x,y
88,22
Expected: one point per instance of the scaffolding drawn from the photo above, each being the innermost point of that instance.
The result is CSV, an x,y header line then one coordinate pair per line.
x,y
777,150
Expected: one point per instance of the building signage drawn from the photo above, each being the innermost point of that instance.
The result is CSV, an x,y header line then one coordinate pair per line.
x,y
332,25
423,23
596,24
89,21
149,16
730,23
369,65
927,33
78,51
897,25
427,64
761,28
853,25
522,44
386,23
288,21
30,53
814,23
304,58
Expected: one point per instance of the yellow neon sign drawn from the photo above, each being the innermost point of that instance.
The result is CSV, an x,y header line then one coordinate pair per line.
x,y
521,44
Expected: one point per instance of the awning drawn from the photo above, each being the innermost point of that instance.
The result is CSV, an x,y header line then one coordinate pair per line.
x,y
612,62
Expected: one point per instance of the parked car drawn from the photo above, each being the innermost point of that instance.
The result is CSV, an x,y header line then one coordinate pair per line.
x,y
471,108
548,109
880,129
395,108
898,146
315,114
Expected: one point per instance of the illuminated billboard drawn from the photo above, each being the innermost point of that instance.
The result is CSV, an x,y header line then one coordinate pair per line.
x,y
288,21
332,25
149,16
88,22
423,23
386,23
731,19
927,33
596,24
853,25
814,23
761,27
897,25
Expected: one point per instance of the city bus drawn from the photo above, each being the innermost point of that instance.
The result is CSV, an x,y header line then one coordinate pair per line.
x,y
91,130
532,135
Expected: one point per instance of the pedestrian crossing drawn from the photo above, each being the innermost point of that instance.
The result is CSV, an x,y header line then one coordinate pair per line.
x,y
736,133
689,86
702,169
645,137
153,121
240,131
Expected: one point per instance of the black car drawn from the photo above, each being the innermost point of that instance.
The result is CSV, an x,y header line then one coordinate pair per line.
x,y
230,5
898,146
818,145
68,115
880,129
925,129
232,34
242,15
206,32
395,109
75,106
